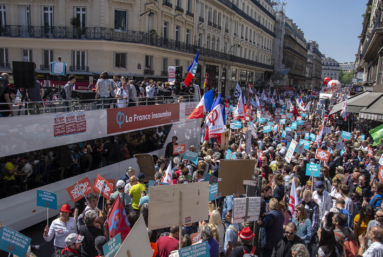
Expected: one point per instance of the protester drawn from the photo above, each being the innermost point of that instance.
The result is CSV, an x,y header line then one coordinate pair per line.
x,y
303,223
206,234
245,237
362,219
135,191
125,198
167,244
90,233
375,235
215,219
72,246
99,242
328,246
283,248
231,235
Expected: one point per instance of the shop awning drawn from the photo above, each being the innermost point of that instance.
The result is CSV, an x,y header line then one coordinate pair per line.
x,y
373,111
357,103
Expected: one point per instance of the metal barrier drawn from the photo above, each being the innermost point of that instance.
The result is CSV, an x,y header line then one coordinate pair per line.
x,y
57,106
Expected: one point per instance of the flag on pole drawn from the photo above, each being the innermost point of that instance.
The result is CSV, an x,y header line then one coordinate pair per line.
x,y
300,104
237,91
218,102
205,83
377,134
344,110
214,121
203,106
118,221
293,198
239,112
192,70
168,178
259,105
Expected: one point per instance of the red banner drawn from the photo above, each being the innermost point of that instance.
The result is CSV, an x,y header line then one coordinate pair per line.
x,y
322,155
80,189
103,187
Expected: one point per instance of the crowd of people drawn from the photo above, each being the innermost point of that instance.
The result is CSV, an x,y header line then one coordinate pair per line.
x,y
337,213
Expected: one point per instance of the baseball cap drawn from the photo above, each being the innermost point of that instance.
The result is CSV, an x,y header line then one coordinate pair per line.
x,y
99,243
318,185
141,176
73,238
284,141
120,184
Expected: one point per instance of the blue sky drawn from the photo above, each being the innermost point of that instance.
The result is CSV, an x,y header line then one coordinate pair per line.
x,y
334,24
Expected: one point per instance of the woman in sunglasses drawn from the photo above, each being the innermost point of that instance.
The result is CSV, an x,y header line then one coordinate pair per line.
x,y
303,223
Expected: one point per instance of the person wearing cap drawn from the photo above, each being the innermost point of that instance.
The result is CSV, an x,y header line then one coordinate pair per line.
x,y
73,244
99,242
322,198
283,248
90,232
135,191
129,172
125,198
60,228
246,236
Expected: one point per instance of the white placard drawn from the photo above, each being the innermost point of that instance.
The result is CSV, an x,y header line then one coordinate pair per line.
x,y
239,210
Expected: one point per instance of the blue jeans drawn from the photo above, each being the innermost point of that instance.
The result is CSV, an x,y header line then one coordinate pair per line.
x,y
66,104
104,103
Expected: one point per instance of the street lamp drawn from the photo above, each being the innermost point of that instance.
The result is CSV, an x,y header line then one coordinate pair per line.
x,y
150,13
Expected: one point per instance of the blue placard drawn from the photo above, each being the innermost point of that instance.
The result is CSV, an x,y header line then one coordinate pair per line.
x,y
303,115
58,68
301,122
235,126
260,120
331,151
346,135
288,129
294,125
313,169
213,189
289,115
200,250
13,242
230,155
362,137
276,128
112,246
156,183
306,143
282,121
266,129
284,134
312,137
211,178
341,152
46,199
307,136
273,105
191,156
270,123
250,123
288,145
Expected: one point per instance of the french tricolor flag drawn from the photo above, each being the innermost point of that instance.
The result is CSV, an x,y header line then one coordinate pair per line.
x,y
204,106
192,69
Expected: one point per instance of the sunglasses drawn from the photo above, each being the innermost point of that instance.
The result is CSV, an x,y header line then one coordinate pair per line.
x,y
289,233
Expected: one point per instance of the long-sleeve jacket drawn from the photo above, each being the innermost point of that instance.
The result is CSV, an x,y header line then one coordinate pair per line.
x,y
60,231
273,224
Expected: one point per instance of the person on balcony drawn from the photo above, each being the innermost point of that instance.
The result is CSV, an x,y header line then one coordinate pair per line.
x,y
122,94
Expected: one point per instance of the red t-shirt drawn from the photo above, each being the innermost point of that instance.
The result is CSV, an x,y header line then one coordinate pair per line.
x,y
178,173
166,244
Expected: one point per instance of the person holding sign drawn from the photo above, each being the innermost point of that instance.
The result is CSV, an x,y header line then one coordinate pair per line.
x,y
60,228
246,236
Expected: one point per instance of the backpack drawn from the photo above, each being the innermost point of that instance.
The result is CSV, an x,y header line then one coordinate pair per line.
x,y
84,162
348,215
62,93
373,203
251,254
351,247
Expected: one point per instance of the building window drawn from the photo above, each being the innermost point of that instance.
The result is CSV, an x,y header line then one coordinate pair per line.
x,y
27,55
79,60
148,62
212,44
48,16
165,64
24,15
3,16
166,30
178,30
208,42
200,40
190,5
234,74
3,57
121,20
120,60
219,19
80,13
177,62
179,3
188,36
47,58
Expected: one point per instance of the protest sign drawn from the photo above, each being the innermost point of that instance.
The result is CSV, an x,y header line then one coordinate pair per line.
x,y
230,155
13,242
306,143
304,115
301,149
266,129
282,121
103,187
362,137
178,149
294,125
46,199
322,155
309,126
381,160
156,183
180,204
299,118
235,125
284,133
246,209
270,123
213,192
137,241
191,156
200,250
229,181
211,178
290,151
370,152
253,131
312,137
112,246
301,122
287,129
145,162
111,181
276,127
307,136
289,115
346,135
312,169
80,189
380,175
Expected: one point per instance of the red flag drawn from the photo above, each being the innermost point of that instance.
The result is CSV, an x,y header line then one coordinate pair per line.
x,y
118,221
227,103
295,113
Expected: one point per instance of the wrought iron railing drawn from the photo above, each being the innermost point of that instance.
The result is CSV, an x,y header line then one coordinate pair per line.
x,y
166,3
295,52
180,9
201,19
226,30
214,25
148,72
209,23
219,27
188,13
4,65
100,33
78,68
164,73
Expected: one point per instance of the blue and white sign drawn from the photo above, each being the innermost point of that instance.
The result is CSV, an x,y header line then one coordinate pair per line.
x,y
266,129
294,125
46,199
346,135
312,169
307,136
200,250
284,133
191,156
270,123
303,115
211,178
58,68
230,155
112,246
288,129
362,137
289,115
312,137
282,121
213,189
276,128
301,122
13,242
250,123
306,143
155,183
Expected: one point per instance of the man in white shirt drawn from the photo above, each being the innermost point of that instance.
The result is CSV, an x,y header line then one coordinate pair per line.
x,y
376,248
322,198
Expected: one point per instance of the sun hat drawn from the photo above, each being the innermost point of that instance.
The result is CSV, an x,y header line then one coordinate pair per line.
x,y
65,208
246,234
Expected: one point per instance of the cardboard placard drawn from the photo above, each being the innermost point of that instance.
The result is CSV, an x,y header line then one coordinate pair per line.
x,y
145,162
322,155
80,189
231,175
46,199
137,241
112,246
178,149
164,201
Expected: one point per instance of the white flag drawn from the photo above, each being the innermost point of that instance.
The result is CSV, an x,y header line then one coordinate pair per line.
x,y
168,178
239,112
293,199
237,91
214,120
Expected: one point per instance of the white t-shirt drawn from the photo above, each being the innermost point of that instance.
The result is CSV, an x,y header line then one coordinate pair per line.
x,y
122,92
335,194
60,231
324,202
375,250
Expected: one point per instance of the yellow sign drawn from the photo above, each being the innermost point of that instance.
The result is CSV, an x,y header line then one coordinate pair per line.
x,y
79,77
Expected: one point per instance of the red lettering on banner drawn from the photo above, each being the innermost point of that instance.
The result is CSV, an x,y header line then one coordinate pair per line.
x,y
70,128
59,130
81,126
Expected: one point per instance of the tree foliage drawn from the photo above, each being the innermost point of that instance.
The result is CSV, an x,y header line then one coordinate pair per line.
x,y
345,78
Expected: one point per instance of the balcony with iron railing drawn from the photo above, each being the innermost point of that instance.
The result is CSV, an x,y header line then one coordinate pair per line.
x,y
79,68
137,37
167,3
148,72
210,23
189,13
179,9
226,30
214,25
201,19
219,27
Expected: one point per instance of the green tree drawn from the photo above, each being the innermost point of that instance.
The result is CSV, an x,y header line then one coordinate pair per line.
x,y
345,78
341,75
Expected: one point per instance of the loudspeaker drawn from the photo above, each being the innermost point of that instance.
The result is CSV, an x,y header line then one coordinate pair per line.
x,y
84,95
178,72
24,74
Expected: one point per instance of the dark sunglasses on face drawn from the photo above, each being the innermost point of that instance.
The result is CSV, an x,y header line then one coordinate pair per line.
x,y
289,233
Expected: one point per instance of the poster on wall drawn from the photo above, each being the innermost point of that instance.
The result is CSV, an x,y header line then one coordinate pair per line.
x,y
69,124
